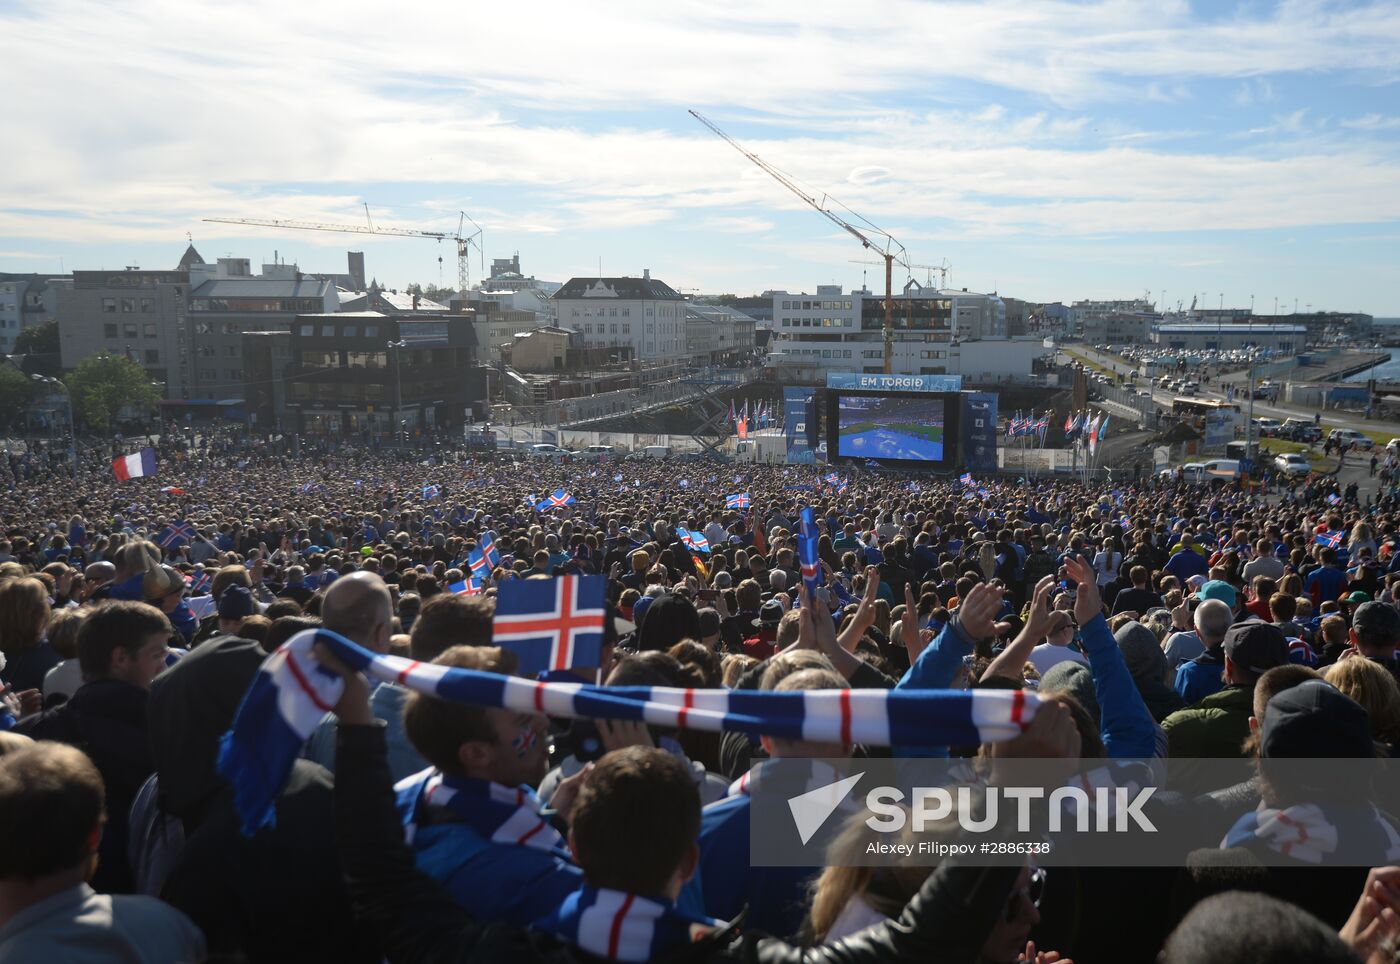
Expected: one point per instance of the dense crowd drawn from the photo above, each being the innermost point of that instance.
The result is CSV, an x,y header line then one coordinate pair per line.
x,y
1155,620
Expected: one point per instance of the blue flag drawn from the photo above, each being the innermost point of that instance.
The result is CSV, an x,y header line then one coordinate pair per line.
x,y
808,537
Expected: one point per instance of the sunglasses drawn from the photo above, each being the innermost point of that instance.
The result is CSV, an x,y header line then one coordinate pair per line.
x,y
1033,892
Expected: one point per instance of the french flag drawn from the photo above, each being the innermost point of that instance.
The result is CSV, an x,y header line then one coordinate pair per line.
x,y
135,466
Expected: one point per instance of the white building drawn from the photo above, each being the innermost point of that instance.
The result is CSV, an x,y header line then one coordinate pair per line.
x,y
837,331
1092,316
717,334
641,313
506,276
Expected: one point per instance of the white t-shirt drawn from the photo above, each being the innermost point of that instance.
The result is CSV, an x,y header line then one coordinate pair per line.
x,y
1181,647
1047,655
1106,565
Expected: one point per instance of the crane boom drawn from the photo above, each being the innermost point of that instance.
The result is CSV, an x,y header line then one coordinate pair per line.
x,y
891,251
465,242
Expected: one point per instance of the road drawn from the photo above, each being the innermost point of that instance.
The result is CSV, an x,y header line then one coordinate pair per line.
x,y
1278,410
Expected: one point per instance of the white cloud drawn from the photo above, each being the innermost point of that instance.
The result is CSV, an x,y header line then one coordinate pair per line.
x,y
738,225
1372,122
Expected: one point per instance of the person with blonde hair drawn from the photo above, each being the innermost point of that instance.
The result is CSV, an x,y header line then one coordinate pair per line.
x,y
1371,685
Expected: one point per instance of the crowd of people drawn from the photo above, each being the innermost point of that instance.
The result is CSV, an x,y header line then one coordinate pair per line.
x,y
1154,620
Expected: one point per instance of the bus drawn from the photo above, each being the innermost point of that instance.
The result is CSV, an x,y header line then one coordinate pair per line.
x,y
1196,409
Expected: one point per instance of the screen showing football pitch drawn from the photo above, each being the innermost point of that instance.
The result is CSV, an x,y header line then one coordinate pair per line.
x,y
891,427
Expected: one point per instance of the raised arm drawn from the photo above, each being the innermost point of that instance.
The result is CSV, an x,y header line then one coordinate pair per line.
x,y
1013,657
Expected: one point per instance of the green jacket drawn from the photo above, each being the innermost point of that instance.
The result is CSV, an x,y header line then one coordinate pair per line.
x,y
1216,727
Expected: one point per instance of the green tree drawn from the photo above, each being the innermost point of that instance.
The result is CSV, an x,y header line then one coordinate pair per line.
x,y
104,384
16,390
38,340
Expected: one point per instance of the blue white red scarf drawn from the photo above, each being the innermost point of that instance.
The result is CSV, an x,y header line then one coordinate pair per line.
x,y
622,927
292,692
1357,836
503,815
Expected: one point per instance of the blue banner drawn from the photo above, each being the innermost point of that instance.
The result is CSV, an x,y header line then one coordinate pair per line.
x,y
894,383
979,431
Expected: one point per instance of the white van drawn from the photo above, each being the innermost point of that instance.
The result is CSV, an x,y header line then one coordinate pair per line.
x,y
596,452
1226,470
656,451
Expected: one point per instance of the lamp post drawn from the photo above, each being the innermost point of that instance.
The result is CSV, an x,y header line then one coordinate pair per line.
x,y
394,347
72,425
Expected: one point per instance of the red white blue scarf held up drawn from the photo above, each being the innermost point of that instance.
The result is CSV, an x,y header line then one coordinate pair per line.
x,y
622,927
292,692
506,815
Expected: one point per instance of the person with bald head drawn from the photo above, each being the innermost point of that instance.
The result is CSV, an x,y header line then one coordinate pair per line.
x,y
358,607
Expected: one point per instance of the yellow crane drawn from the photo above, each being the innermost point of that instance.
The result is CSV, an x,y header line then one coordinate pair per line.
x,y
887,247
465,240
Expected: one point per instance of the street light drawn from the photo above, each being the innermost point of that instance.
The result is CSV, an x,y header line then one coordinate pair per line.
x,y
72,426
394,347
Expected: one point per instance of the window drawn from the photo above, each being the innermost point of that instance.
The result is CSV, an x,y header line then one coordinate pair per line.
x,y
152,356
231,351
235,374
206,351
128,331
626,312
626,327
209,374
128,305
328,331
109,305
148,330
109,331
612,312
147,305
613,326
307,330
229,328
371,331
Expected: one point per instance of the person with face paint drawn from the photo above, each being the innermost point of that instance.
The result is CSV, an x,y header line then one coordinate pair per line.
x,y
472,817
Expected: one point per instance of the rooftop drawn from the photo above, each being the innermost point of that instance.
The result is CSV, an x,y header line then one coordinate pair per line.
x,y
633,289
1199,328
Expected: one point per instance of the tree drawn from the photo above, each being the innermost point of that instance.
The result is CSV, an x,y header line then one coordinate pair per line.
x,y
38,340
16,389
104,384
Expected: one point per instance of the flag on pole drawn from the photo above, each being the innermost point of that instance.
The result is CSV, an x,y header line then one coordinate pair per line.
x,y
135,466
559,498
1069,423
551,624
199,582
808,558
743,428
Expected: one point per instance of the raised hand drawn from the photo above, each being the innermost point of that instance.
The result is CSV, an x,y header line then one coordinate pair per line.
x,y
1087,605
977,613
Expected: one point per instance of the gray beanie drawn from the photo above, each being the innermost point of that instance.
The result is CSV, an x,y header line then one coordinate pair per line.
x,y
1076,679
1141,651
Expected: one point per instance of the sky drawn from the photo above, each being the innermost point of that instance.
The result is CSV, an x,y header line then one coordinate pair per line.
x,y
1044,149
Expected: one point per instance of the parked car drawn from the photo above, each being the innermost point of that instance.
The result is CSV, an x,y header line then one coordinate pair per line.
x,y
596,452
548,450
1393,446
1268,427
1300,430
1292,464
1350,436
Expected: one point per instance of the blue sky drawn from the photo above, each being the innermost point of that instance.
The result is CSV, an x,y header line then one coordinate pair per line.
x,y
1049,150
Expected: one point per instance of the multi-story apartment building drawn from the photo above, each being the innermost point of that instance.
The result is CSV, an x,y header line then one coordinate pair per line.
x,y
26,300
643,314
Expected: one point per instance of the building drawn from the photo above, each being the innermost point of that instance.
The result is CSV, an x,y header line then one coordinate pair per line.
x,y
226,299
1119,328
837,331
133,312
497,323
717,335
549,349
1088,315
345,379
1284,339
643,314
267,356
26,300
506,276
1018,317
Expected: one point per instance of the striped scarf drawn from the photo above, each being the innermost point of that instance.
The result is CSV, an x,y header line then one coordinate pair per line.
x,y
504,815
619,926
292,692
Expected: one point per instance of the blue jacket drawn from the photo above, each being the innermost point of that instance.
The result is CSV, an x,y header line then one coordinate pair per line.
x,y
1200,677
1125,723
776,897
1187,563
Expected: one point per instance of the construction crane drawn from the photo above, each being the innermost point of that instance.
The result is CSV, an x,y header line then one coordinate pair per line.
x,y
942,270
890,250
465,241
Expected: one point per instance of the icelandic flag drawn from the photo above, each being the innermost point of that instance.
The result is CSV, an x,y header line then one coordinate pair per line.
x,y
467,587
485,556
808,536
432,491
175,535
739,500
965,478
833,479
1334,499
1329,539
559,498
135,466
695,541
841,487
551,624
199,582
